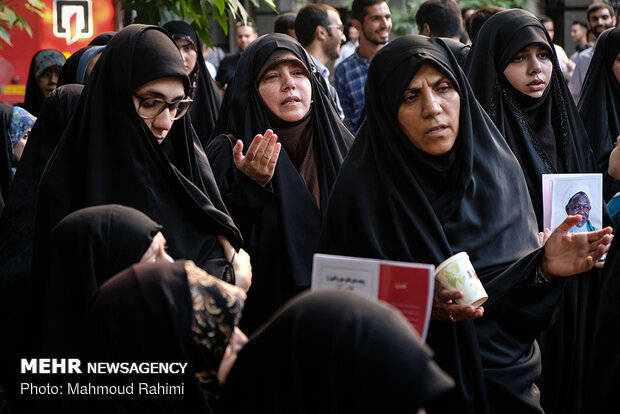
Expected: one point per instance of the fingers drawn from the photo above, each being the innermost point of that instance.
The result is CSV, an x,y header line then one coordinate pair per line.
x,y
568,222
229,250
238,152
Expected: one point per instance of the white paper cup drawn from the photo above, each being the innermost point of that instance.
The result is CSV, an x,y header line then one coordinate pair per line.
x,y
457,273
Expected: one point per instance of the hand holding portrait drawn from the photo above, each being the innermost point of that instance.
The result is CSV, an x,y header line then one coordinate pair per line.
x,y
568,253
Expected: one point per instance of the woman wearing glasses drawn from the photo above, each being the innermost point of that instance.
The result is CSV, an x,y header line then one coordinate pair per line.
x,y
129,144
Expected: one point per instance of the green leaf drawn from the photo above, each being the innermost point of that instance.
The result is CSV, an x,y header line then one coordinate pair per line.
x,y
4,35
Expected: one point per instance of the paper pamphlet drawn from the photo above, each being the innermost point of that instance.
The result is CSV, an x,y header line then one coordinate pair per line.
x,y
565,194
406,286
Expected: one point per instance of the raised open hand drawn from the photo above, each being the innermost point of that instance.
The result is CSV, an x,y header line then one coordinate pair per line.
x,y
260,160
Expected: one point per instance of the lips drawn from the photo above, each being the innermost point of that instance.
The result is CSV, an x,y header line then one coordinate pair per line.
x,y
436,130
536,82
291,100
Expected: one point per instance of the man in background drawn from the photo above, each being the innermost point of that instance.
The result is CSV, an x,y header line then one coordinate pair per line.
x,y
285,23
244,35
373,20
440,18
321,32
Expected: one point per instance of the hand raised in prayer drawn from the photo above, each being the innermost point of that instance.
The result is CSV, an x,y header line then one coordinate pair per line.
x,y
446,309
572,253
260,160
240,261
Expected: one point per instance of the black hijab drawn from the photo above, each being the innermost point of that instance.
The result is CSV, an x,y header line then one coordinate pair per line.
x,y
204,92
147,313
108,155
282,231
68,74
565,344
6,154
85,249
102,39
334,352
599,104
393,201
34,97
546,134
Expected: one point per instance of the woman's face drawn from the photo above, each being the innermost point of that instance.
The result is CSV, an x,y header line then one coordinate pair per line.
x,y
157,251
189,53
429,111
48,79
530,70
286,91
166,89
616,68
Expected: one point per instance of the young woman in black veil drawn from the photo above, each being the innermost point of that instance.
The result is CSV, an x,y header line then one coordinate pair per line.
x,y
429,176
516,78
203,91
129,144
599,103
167,313
277,192
334,351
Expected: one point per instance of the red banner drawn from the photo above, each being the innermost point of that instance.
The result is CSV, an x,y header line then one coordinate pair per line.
x,y
66,25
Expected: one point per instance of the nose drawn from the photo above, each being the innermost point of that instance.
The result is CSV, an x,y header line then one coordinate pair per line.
x,y
163,121
534,65
288,82
430,105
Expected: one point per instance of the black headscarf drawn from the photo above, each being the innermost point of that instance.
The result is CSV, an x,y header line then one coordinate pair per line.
x,y
599,104
147,314
393,201
604,359
68,74
546,134
17,221
108,155
204,92
34,97
6,154
334,352
102,39
531,127
85,249
280,222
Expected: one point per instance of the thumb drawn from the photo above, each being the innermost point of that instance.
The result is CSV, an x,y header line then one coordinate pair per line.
x,y
238,152
568,222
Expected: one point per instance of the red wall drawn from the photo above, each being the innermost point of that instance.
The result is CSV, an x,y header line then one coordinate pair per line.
x,y
15,59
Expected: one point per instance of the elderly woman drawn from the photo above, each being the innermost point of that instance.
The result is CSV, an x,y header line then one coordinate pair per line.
x,y
516,78
45,68
277,191
436,179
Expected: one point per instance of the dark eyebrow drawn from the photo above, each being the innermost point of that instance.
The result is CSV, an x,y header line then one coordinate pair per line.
x,y
157,94
442,79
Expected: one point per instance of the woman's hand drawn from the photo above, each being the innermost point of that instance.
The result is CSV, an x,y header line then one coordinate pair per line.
x,y
235,344
572,253
240,261
543,236
445,308
259,162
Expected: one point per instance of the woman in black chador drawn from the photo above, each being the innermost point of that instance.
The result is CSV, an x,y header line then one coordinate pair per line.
x,y
599,103
277,192
429,176
202,88
516,78
129,144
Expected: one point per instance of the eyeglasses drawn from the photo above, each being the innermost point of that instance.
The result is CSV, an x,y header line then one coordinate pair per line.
x,y
337,26
152,107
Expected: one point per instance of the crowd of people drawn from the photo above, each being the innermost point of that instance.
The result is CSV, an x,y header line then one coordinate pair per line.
x,y
153,212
